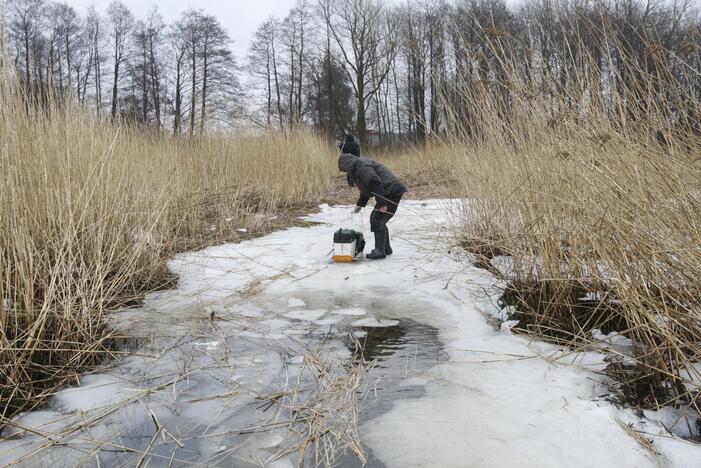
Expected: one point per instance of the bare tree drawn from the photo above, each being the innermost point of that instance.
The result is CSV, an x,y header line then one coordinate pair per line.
x,y
261,58
414,34
138,70
264,65
94,39
179,48
218,65
25,26
295,34
65,45
3,36
437,15
155,31
365,34
189,27
145,69
121,27
211,69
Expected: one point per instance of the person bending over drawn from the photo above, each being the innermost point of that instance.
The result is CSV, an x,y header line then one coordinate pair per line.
x,y
373,179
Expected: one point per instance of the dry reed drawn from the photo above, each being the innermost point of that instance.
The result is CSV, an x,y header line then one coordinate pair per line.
x,y
90,212
596,209
322,405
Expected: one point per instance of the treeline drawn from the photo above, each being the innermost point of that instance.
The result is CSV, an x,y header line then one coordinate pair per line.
x,y
429,67
390,73
180,76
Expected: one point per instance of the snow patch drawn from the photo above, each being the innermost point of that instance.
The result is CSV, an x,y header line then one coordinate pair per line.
x,y
276,324
296,360
294,303
507,326
96,391
356,311
306,315
326,322
211,346
375,323
613,338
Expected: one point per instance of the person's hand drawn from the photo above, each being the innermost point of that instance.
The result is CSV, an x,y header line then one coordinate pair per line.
x,y
357,209
383,209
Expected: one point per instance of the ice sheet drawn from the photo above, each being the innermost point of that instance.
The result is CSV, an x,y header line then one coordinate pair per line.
x,y
496,400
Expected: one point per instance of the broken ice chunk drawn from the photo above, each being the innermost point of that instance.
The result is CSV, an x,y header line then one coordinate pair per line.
x,y
375,323
306,315
292,303
354,311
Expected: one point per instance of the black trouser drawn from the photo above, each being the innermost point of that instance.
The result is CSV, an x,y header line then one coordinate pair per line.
x,y
378,219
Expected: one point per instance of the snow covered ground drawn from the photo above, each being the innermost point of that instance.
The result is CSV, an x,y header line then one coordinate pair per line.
x,y
451,391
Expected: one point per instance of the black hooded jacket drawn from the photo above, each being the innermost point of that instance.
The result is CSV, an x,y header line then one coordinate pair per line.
x,y
373,180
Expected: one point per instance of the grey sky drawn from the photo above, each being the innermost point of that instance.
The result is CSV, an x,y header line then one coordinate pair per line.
x,y
241,18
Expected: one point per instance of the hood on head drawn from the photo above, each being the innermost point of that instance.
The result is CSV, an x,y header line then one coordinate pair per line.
x,y
350,137
346,161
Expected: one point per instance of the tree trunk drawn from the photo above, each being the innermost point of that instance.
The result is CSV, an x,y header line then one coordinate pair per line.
x,y
27,73
300,61
205,73
396,100
277,87
144,88
193,100
155,83
270,91
290,105
68,61
115,87
98,82
361,124
177,125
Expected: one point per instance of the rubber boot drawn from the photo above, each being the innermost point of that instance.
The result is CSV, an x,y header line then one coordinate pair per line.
x,y
388,247
379,252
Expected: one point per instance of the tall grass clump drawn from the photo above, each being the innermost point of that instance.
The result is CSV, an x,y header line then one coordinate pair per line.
x,y
90,211
588,201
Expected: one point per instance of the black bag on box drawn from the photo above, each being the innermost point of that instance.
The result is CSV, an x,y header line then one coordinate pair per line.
x,y
347,236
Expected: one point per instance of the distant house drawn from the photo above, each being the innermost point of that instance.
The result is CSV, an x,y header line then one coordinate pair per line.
x,y
372,138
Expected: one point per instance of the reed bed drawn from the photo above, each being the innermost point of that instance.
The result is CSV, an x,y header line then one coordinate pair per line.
x,y
591,212
90,212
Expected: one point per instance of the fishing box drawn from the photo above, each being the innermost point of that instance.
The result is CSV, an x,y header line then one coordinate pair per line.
x,y
347,245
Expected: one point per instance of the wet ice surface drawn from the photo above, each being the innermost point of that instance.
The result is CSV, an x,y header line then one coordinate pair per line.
x,y
211,377
446,389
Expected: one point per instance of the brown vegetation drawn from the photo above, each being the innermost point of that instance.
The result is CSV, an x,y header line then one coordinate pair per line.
x,y
588,178
91,212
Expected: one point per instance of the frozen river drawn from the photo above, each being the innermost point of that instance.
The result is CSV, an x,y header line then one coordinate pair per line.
x,y
268,355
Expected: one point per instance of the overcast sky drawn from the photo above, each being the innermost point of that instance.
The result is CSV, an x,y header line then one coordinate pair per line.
x,y
239,17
